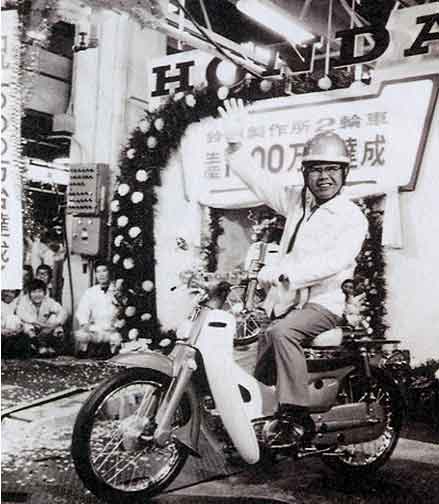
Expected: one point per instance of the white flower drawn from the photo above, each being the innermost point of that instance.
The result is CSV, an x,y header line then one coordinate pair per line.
x,y
122,221
165,342
146,316
119,323
123,189
131,153
115,339
144,125
130,311
159,124
151,142
178,96
128,263
190,100
115,206
116,258
137,197
222,93
147,285
133,334
118,240
142,176
134,231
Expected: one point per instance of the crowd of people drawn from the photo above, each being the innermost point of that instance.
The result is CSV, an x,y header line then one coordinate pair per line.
x,y
33,323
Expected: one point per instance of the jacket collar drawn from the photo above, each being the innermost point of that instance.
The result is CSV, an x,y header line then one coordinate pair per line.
x,y
332,206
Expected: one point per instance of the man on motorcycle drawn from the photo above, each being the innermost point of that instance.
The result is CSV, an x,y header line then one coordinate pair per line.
x,y
323,234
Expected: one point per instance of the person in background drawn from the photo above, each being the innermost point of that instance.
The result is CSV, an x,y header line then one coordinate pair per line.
x,y
49,249
15,344
96,336
354,303
28,276
44,273
43,319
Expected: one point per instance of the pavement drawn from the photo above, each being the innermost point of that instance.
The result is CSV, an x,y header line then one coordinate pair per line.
x,y
37,468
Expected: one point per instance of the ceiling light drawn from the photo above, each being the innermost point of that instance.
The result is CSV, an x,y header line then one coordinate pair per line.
x,y
278,20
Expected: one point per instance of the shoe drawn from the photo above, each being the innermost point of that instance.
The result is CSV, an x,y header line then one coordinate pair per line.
x,y
43,352
102,352
281,433
51,352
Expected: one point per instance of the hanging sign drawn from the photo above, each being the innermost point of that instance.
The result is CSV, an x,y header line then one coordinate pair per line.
x,y
416,35
11,191
385,134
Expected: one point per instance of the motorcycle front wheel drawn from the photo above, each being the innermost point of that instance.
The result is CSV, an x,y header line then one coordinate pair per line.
x,y
113,448
358,460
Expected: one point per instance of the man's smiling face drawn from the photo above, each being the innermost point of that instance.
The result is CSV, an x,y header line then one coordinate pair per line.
x,y
324,180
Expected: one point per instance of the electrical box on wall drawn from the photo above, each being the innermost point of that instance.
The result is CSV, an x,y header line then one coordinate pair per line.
x,y
87,189
86,202
87,235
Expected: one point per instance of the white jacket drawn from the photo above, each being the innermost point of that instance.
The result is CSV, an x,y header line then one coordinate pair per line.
x,y
326,246
97,307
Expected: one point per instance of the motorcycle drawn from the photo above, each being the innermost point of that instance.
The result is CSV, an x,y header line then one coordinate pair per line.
x,y
134,433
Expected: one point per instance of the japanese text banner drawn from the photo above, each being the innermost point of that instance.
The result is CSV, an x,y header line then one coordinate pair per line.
x,y
383,132
11,191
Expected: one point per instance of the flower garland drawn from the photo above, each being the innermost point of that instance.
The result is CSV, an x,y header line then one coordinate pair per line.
x,y
146,154
369,275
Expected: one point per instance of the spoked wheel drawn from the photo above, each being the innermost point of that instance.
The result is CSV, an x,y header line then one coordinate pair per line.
x,y
249,323
113,448
362,458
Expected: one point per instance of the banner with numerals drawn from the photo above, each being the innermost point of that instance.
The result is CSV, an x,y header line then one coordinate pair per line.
x,y
11,191
385,133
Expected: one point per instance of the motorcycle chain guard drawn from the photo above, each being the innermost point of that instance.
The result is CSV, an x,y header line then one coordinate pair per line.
x,y
349,424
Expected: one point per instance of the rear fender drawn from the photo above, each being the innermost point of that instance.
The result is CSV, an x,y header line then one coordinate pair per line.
x,y
189,433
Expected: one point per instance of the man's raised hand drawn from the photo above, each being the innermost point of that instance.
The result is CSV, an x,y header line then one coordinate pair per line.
x,y
234,116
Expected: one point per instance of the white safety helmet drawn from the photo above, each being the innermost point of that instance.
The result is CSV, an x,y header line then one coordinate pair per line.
x,y
327,147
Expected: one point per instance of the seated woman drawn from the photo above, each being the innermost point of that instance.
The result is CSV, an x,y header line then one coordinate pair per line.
x,y
43,319
15,344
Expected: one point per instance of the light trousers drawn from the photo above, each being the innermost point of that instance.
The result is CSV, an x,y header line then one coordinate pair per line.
x,y
280,356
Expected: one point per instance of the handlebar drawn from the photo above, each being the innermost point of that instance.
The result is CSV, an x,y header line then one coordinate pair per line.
x,y
209,288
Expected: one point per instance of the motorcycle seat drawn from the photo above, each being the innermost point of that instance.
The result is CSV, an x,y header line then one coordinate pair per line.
x,y
330,338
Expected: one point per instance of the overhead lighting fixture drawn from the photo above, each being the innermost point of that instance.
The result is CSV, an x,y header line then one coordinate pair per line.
x,y
270,15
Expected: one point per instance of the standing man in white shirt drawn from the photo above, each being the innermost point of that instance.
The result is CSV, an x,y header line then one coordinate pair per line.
x,y
323,234
96,314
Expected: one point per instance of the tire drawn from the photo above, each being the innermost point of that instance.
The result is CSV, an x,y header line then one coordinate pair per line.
x,y
110,457
358,460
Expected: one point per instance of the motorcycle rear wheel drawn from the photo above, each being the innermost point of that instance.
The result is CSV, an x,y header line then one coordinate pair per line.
x,y
360,459
111,464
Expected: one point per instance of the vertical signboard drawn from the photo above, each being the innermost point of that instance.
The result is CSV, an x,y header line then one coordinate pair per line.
x,y
11,190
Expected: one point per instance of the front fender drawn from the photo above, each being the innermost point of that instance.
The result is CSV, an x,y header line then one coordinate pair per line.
x,y
145,359
189,433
